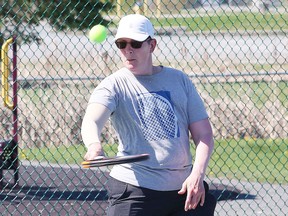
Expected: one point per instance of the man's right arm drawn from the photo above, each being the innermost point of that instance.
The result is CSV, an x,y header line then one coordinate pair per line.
x,y
93,122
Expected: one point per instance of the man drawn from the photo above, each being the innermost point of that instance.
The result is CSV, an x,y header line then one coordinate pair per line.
x,y
153,109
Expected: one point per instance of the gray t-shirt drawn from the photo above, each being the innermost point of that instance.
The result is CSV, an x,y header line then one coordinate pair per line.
x,y
151,114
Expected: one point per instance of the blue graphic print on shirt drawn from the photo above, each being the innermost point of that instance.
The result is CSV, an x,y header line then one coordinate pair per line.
x,y
157,116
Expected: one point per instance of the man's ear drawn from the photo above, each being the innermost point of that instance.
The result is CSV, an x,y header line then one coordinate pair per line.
x,y
153,44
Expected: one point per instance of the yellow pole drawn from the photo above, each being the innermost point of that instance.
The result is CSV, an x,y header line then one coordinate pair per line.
x,y
5,73
145,7
158,12
119,12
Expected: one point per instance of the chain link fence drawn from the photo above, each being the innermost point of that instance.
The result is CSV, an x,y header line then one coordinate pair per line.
x,y
235,51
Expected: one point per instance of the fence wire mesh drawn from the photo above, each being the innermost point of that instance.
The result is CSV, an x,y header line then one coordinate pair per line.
x,y
235,52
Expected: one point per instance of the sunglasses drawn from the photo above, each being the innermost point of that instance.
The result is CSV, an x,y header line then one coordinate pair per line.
x,y
134,44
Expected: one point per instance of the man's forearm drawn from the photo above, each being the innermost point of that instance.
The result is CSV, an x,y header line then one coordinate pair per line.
x,y
202,157
93,122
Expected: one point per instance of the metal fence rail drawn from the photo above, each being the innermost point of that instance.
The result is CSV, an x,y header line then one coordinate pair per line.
x,y
234,51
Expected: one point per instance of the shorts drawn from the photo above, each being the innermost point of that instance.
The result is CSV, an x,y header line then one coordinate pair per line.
x,y
129,200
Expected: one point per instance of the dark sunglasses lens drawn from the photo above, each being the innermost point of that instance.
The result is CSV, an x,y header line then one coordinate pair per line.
x,y
136,44
121,45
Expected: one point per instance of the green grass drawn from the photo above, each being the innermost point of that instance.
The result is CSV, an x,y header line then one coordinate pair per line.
x,y
72,154
225,21
251,160
245,21
260,92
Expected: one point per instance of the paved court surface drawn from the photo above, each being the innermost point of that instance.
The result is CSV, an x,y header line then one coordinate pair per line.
x,y
47,190
252,199
69,190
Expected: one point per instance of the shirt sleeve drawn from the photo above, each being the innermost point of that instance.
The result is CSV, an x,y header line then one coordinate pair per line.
x,y
105,94
196,108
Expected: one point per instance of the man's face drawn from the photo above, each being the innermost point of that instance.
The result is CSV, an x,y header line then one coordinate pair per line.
x,y
136,56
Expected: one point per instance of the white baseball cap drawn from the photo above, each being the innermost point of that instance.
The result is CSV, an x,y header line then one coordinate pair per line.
x,y
136,27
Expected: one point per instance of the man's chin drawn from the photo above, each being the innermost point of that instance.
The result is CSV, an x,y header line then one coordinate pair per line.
x,y
130,67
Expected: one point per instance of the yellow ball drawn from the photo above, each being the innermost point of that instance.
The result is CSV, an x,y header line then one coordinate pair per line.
x,y
98,34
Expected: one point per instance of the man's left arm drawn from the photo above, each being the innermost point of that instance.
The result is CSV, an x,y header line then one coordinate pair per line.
x,y
202,136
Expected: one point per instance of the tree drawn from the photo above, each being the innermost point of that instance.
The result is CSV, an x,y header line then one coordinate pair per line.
x,y
21,16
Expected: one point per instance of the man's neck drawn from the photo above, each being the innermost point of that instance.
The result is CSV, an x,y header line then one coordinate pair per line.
x,y
148,71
